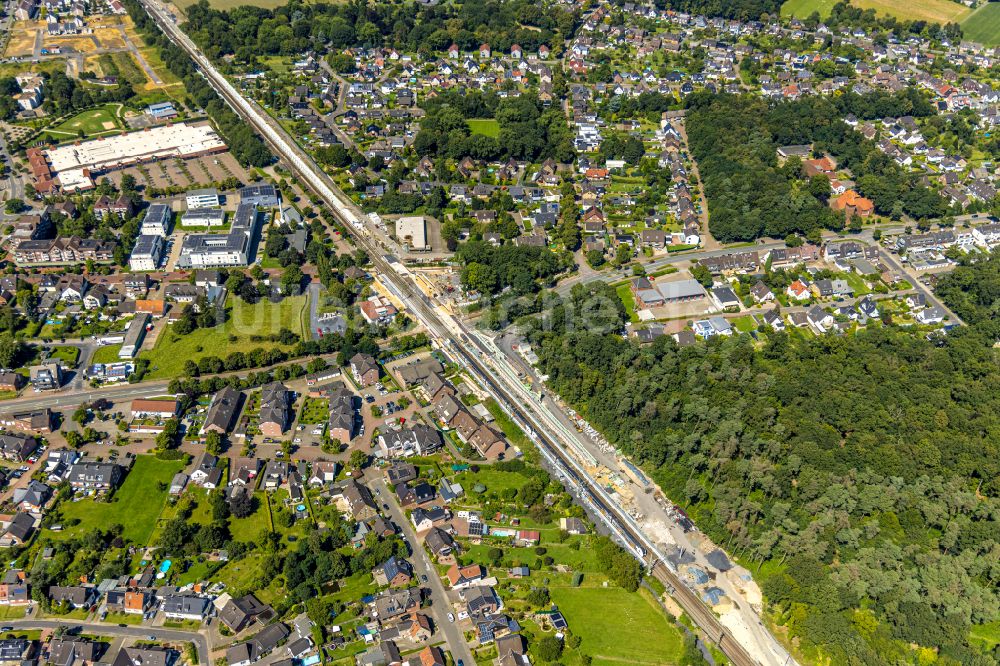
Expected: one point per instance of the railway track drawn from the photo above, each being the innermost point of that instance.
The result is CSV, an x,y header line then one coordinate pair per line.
x,y
395,276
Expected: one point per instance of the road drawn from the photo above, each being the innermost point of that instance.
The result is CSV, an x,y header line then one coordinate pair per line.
x,y
566,285
448,332
105,629
422,566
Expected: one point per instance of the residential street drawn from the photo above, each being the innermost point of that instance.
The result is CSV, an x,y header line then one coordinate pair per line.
x,y
422,566
107,629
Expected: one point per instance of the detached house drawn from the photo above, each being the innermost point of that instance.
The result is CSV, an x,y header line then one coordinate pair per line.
x,y
394,572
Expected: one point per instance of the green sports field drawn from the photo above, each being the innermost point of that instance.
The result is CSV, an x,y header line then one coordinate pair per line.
x,y
983,25
92,122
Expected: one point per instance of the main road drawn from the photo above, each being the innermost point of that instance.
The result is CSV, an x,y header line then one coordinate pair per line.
x,y
464,346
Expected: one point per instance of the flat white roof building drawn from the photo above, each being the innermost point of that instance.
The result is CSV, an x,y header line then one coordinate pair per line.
x,y
412,231
204,217
232,249
107,153
206,198
147,253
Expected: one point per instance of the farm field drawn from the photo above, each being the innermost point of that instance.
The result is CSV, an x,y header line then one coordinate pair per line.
x,y
938,11
983,25
624,635
243,321
136,505
484,126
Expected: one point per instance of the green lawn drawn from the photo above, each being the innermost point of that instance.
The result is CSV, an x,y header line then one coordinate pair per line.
x,y
92,122
744,324
106,354
857,283
68,355
484,126
634,629
494,480
983,25
624,292
166,360
136,505
511,430
315,410
253,526
12,612
124,618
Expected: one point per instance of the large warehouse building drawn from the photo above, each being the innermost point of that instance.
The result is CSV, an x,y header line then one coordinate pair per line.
x,y
75,165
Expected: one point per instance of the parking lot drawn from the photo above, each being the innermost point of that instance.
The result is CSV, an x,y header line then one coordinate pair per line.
x,y
186,173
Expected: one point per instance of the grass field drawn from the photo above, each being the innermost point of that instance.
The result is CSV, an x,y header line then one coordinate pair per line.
x,y
93,122
511,430
229,4
636,632
624,292
315,410
803,8
983,25
106,354
484,126
136,505
253,526
744,324
244,321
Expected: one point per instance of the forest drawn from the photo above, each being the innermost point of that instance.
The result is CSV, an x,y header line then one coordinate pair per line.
x,y
490,270
867,508
743,10
735,140
527,130
298,27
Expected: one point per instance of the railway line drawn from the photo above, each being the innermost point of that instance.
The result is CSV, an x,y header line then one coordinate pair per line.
x,y
458,342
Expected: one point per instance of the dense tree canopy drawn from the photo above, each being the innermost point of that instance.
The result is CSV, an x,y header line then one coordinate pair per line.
x,y
863,471
735,140
489,270
297,27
